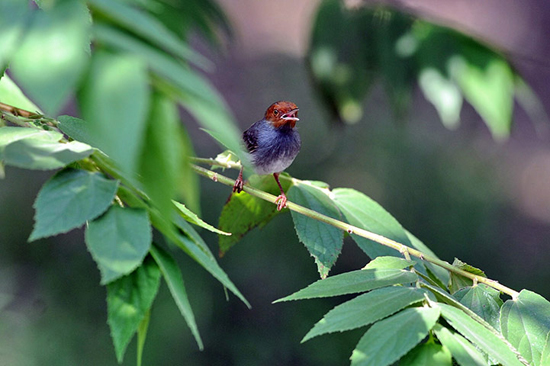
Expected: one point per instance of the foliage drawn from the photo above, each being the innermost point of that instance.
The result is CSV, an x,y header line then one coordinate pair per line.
x,y
351,48
122,165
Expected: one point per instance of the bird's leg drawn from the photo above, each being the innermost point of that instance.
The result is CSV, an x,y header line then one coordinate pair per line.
x,y
281,200
238,187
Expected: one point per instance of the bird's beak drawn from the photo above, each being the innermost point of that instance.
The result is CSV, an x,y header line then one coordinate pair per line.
x,y
291,116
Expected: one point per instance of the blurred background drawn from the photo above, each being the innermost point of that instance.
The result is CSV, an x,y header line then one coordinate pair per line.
x,y
461,192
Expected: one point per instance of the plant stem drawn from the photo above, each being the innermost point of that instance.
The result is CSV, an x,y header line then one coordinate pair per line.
x,y
350,228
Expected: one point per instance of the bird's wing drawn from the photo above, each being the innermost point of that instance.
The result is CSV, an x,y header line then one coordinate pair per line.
x,y
250,138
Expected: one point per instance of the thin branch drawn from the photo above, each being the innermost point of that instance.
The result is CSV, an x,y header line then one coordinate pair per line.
x,y
352,229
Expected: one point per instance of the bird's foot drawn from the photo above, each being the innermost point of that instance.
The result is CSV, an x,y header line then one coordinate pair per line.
x,y
281,202
238,186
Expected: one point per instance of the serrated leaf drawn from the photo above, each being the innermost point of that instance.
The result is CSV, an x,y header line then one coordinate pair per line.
x,y
69,199
39,153
172,276
482,300
366,309
389,339
115,103
192,234
190,216
363,212
118,241
479,335
128,301
323,241
427,354
462,350
198,252
525,322
457,281
243,212
353,282
441,274
77,129
389,262
53,55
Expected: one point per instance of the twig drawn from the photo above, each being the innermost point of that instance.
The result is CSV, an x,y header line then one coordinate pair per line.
x,y
353,229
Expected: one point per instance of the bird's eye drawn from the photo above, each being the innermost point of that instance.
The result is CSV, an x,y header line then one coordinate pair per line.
x,y
276,112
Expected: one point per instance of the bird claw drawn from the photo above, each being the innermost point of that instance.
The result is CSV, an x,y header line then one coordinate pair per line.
x,y
238,187
281,202
239,182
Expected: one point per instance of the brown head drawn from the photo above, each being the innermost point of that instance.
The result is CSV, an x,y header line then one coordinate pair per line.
x,y
282,113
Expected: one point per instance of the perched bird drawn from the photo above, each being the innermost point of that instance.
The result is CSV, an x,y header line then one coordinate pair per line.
x,y
272,143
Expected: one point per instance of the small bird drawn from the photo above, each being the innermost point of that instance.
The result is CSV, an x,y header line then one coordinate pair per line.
x,y
273,143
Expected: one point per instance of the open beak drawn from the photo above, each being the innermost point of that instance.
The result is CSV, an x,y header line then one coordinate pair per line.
x,y
291,116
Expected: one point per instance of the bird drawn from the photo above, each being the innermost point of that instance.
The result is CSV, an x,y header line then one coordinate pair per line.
x,y
272,144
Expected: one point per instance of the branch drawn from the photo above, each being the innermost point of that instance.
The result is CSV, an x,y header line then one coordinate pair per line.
x,y
216,177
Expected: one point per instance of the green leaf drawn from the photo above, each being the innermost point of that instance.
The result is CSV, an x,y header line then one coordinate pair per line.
x,y
190,216
41,153
149,28
69,199
142,335
462,350
389,262
11,134
342,71
128,302
77,129
525,322
49,62
443,93
189,188
363,212
386,341
115,102
353,282
487,81
190,88
161,157
11,94
193,235
208,263
323,241
243,212
118,241
482,300
457,281
366,309
14,18
487,340
441,274
197,250
174,280
427,354
545,357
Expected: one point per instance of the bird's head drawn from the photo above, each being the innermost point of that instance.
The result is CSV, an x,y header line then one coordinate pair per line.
x,y
282,113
